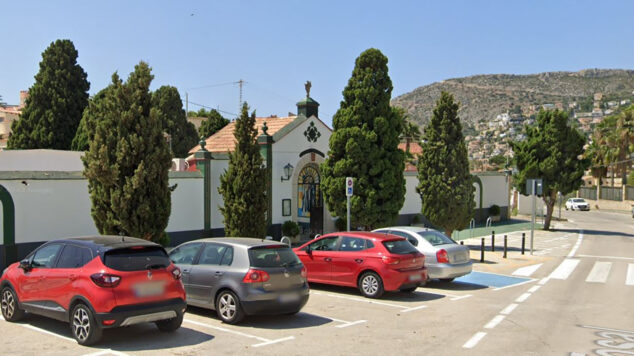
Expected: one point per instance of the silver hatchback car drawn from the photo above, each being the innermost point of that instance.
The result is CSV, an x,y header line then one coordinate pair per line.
x,y
444,258
241,276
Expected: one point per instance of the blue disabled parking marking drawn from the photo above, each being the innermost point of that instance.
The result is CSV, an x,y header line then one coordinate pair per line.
x,y
491,279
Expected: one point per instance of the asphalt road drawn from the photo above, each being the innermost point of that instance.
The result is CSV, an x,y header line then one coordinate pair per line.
x,y
573,296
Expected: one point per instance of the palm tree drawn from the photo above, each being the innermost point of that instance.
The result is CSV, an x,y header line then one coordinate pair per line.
x,y
411,132
624,139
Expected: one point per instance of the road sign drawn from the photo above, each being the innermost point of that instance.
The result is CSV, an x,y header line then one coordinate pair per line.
x,y
349,185
534,186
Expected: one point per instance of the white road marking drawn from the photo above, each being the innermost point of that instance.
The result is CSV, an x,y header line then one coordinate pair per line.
x,y
264,341
494,322
629,280
606,329
509,309
522,298
543,281
534,289
351,323
413,308
564,270
515,285
47,332
576,247
274,341
106,352
576,354
462,297
527,271
608,257
474,340
359,300
600,272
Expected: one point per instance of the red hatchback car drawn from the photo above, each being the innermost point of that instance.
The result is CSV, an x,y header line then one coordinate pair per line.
x,y
95,283
370,261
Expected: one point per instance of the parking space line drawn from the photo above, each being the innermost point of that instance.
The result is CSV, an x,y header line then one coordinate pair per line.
x,y
106,352
46,332
494,322
522,298
351,323
264,341
509,309
358,300
461,297
534,289
474,340
413,308
514,285
270,342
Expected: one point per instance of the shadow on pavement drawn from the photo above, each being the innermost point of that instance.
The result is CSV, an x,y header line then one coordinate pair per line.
x,y
132,338
299,320
455,285
413,297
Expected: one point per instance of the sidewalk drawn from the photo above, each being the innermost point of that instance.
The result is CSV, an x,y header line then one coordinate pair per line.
x,y
515,224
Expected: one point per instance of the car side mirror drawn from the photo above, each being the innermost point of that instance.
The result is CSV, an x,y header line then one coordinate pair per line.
x,y
25,265
309,250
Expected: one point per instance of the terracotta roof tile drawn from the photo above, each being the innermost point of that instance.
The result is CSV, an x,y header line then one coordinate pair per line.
x,y
223,140
414,148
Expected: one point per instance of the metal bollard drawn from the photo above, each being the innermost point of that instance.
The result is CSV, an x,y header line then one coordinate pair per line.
x,y
482,251
505,245
492,241
462,242
523,241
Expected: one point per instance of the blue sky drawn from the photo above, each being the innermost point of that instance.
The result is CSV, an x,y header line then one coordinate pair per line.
x,y
275,46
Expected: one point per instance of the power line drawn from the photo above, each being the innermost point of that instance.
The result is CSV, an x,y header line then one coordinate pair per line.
x,y
212,108
211,86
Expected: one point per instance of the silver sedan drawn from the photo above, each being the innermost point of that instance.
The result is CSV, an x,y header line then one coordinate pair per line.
x,y
444,258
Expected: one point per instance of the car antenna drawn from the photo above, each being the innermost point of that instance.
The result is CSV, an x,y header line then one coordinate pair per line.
x,y
122,236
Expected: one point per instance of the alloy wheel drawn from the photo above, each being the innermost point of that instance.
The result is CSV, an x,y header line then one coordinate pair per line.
x,y
81,324
8,304
370,285
227,306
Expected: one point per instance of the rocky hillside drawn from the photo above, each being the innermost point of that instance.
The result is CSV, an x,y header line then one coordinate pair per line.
x,y
485,96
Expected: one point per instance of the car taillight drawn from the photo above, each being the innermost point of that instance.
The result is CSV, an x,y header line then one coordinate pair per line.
x,y
441,256
391,260
256,276
105,280
176,272
304,272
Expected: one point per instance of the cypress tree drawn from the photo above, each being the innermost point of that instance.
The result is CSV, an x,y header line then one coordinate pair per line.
x,y
364,145
128,161
243,184
183,134
212,124
86,129
444,182
56,101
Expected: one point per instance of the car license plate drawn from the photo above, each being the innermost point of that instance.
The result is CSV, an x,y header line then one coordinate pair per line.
x,y
415,277
149,289
289,297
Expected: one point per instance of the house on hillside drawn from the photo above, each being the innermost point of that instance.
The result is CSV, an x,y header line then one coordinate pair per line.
x,y
9,114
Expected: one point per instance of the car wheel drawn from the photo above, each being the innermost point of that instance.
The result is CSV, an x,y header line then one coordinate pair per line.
x,y
169,325
371,285
10,307
228,307
409,290
84,326
447,280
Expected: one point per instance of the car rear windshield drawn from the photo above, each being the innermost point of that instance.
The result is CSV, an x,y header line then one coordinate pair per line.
x,y
276,256
578,200
436,238
136,258
400,247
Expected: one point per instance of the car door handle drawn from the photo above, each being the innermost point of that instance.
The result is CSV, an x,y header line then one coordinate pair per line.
x,y
185,271
72,277
218,274
327,259
358,260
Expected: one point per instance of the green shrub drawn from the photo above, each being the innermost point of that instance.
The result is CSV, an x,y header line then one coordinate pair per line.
x,y
514,212
494,210
290,228
416,219
340,224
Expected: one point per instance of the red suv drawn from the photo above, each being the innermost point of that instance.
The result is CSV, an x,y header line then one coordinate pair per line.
x,y
371,261
95,283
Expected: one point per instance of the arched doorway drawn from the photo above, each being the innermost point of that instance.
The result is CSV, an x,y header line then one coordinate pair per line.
x,y
309,198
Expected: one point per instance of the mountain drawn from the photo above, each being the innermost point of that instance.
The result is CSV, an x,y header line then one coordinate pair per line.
x,y
483,97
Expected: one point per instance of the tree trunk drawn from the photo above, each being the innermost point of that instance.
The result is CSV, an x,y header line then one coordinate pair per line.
x,y
448,232
550,204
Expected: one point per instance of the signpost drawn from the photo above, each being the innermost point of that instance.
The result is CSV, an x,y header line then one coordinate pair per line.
x,y
349,186
534,187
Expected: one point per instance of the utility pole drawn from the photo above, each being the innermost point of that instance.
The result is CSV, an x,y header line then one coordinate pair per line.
x,y
240,84
186,104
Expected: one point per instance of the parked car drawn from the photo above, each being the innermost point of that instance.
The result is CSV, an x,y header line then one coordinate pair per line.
x,y
372,262
242,276
95,283
444,258
577,204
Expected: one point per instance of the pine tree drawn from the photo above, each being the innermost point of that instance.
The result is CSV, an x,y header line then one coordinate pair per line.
x,y
552,152
86,129
128,161
212,124
364,145
183,135
56,101
444,182
243,184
